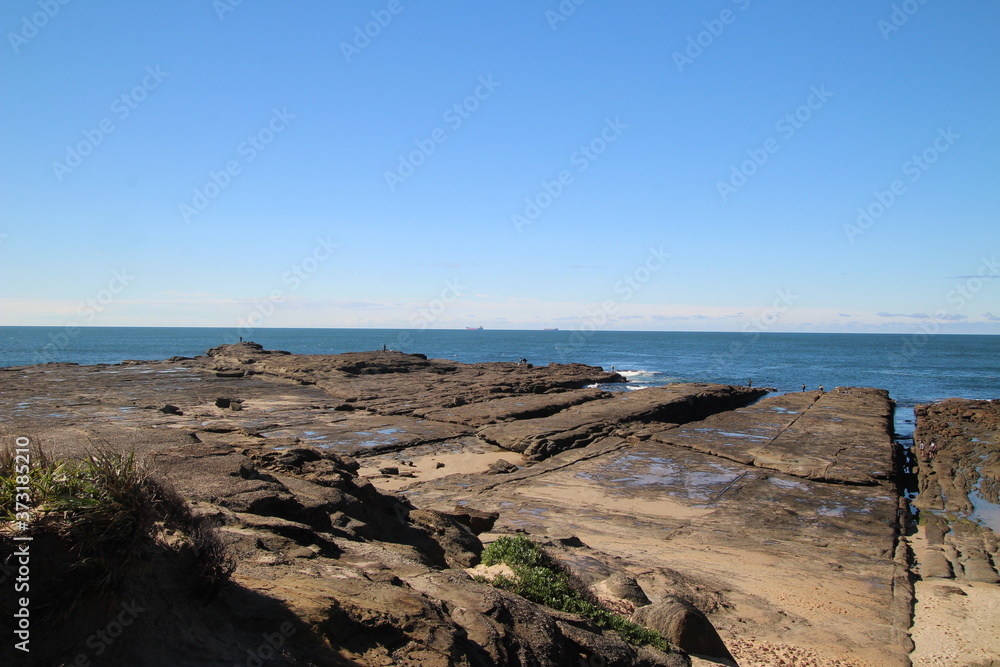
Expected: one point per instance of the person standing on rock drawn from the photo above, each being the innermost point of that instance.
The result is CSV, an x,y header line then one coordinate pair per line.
x,y
821,389
803,387
750,383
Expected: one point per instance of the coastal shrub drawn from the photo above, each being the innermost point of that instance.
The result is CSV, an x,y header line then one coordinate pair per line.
x,y
539,578
104,511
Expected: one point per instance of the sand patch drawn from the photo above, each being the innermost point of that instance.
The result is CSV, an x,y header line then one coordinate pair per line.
x,y
956,624
425,466
587,494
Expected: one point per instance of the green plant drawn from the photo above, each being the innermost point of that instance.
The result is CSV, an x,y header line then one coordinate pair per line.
x,y
539,578
515,551
104,509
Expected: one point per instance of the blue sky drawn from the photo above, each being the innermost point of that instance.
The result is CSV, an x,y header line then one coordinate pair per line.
x,y
639,165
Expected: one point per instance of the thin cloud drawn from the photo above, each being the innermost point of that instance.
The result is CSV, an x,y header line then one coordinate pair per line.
x,y
914,316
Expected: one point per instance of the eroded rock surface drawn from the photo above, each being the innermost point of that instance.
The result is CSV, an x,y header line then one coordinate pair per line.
x,y
335,569
957,454
778,520
783,529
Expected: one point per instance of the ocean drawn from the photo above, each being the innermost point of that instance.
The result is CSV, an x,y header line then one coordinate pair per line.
x,y
914,368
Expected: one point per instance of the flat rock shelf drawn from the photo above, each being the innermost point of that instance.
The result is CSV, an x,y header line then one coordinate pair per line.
x,y
354,491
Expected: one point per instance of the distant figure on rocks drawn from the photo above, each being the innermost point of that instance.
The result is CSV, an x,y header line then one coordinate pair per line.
x,y
241,339
384,348
750,382
821,389
612,369
803,387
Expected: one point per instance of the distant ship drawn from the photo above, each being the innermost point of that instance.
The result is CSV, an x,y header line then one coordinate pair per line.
x,y
553,329
473,328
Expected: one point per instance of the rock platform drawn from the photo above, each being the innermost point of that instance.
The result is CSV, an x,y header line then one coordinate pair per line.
x,y
346,485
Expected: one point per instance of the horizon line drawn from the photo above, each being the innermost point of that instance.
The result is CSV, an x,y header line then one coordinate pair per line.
x,y
569,330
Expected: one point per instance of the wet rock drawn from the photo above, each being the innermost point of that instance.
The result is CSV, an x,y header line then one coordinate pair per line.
x,y
957,452
805,434
170,409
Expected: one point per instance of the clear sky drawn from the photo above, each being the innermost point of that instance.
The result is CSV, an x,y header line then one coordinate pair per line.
x,y
724,165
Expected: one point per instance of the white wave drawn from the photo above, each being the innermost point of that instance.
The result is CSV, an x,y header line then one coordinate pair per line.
x,y
635,374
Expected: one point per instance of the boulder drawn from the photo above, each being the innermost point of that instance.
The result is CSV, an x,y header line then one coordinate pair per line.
x,y
685,625
475,520
501,467
624,587
460,545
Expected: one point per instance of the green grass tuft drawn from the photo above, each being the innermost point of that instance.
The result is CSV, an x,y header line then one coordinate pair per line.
x,y
539,578
106,509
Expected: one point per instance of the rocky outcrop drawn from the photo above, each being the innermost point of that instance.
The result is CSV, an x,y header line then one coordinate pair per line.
x,y
957,457
843,436
330,569
582,424
774,518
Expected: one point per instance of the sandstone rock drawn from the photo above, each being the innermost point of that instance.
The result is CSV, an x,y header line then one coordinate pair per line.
x,y
957,455
622,586
684,625
460,545
475,520
933,563
502,467
381,585
794,434
581,424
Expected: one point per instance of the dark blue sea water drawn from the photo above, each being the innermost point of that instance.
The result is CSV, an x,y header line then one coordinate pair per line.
x,y
915,368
